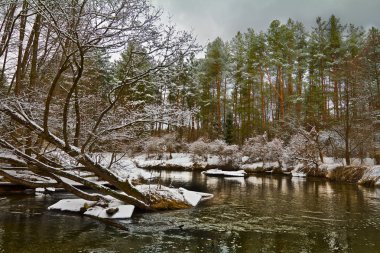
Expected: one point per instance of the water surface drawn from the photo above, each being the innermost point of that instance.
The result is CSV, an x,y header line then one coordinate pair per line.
x,y
257,214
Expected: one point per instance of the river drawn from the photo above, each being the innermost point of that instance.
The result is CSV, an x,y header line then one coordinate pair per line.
x,y
256,214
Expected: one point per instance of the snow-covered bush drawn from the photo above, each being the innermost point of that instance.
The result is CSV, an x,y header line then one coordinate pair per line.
x,y
256,148
216,147
231,155
199,150
173,144
154,147
303,148
228,154
275,151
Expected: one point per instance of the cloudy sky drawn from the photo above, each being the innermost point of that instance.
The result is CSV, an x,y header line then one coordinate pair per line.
x,y
211,18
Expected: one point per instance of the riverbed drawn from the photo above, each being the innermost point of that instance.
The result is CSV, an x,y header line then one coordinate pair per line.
x,y
256,214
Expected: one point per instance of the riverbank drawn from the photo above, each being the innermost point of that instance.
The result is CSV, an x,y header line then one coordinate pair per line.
x,y
144,168
364,173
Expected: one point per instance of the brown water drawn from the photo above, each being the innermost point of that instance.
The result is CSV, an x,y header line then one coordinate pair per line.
x,y
257,214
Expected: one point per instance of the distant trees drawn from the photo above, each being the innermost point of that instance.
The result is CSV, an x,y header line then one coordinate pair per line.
x,y
320,79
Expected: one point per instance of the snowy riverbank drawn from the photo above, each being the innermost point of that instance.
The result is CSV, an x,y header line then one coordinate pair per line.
x,y
362,172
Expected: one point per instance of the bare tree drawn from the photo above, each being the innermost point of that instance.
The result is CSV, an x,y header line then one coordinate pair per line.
x,y
52,110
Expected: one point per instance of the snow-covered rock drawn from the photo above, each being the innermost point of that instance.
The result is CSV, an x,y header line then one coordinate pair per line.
x,y
71,205
121,212
218,172
193,197
179,194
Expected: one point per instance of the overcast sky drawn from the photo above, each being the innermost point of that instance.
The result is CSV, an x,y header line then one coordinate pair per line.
x,y
211,18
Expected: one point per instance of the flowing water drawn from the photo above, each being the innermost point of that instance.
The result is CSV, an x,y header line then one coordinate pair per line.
x,y
257,214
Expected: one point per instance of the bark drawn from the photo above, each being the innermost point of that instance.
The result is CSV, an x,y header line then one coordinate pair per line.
x,y
33,65
18,75
281,96
263,111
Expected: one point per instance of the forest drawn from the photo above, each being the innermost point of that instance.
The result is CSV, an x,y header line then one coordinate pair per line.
x,y
80,78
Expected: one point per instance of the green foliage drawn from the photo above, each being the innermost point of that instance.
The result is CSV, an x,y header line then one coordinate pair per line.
x,y
229,129
135,62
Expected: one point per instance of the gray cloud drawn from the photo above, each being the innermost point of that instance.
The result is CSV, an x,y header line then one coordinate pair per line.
x,y
211,18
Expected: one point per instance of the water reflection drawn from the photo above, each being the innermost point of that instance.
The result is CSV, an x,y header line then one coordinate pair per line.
x,y
257,214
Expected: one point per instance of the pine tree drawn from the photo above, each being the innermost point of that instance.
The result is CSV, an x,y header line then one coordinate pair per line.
x,y
229,129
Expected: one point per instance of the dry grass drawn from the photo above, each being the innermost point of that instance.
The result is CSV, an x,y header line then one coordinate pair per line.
x,y
350,174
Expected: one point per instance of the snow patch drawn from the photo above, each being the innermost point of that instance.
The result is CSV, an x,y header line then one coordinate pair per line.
x,y
297,174
120,210
123,212
181,194
191,197
218,172
71,205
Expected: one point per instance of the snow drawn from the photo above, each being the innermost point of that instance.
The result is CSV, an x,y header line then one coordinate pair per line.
x,y
71,205
30,176
48,189
94,211
259,165
218,172
253,166
191,197
161,190
298,174
124,212
182,160
77,205
40,189
180,194
179,159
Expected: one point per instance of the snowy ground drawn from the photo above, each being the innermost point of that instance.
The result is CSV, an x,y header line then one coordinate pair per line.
x,y
178,160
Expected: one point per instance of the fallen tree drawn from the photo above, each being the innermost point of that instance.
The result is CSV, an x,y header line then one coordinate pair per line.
x,y
51,107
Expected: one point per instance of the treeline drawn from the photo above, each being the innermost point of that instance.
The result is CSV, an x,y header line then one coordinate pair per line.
x,y
274,81
264,81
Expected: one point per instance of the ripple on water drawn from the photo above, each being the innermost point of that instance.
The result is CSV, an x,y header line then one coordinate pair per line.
x,y
266,214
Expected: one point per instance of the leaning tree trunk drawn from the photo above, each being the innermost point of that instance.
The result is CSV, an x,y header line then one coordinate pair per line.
x,y
125,190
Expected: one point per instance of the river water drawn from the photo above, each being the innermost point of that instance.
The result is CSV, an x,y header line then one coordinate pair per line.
x,y
257,214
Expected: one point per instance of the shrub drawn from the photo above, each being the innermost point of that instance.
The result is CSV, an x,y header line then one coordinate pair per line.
x,y
199,150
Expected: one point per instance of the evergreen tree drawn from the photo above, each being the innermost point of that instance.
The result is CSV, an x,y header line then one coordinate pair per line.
x,y
229,129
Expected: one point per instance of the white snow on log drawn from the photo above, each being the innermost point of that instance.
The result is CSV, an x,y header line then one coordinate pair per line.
x,y
124,212
160,190
76,205
94,211
218,172
71,205
48,189
191,197
298,174
181,194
